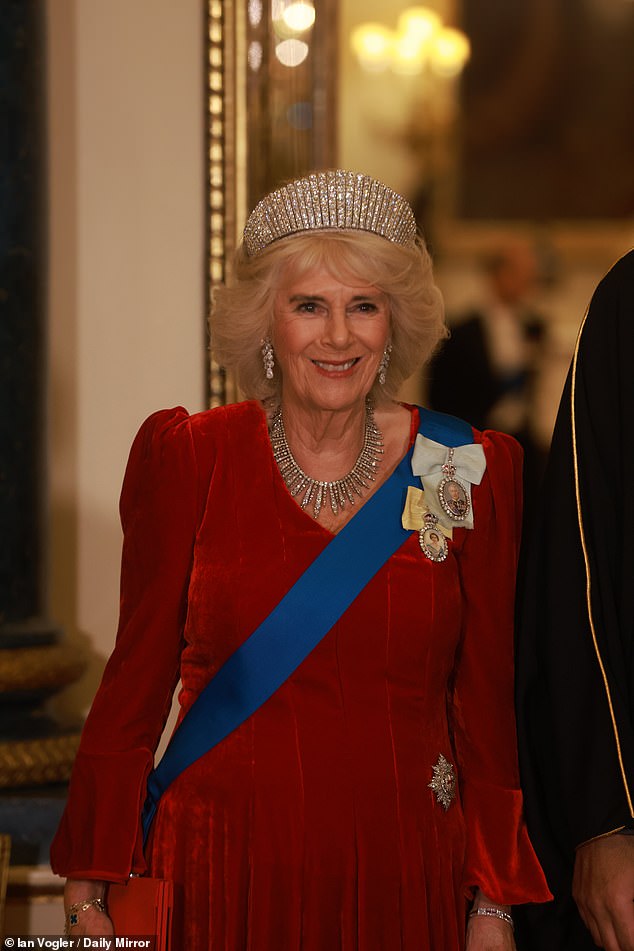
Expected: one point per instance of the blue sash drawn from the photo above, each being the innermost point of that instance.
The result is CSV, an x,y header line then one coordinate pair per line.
x,y
301,619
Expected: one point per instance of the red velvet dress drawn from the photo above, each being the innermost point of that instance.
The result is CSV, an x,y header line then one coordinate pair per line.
x,y
312,826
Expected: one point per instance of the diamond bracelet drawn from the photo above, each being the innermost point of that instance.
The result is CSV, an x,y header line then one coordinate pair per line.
x,y
488,912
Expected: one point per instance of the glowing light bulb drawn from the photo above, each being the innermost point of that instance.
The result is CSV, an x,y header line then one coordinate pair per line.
x,y
419,22
372,44
450,52
291,53
299,16
408,55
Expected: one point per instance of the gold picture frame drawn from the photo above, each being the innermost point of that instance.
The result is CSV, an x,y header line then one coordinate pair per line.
x,y
226,149
266,123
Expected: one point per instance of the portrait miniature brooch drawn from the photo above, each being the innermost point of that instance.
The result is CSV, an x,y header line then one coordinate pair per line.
x,y
447,474
432,534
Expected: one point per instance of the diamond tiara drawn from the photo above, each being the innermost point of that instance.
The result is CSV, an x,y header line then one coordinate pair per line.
x,y
336,199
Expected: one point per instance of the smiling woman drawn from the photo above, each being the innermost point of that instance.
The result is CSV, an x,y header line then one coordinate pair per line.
x,y
329,338
332,281
243,312
354,670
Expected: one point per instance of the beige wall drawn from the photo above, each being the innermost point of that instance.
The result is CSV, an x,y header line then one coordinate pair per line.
x,y
126,285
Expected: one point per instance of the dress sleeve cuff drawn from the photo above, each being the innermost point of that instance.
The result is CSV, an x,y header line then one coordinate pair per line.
x,y
500,859
106,795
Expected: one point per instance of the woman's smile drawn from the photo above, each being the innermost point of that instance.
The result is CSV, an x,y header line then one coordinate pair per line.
x,y
338,368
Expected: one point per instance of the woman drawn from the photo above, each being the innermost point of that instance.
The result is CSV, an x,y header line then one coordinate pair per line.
x,y
330,817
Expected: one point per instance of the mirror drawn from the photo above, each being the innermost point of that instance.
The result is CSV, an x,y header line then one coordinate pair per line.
x,y
534,135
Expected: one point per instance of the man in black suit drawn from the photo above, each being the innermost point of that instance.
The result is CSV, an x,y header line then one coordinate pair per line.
x,y
486,371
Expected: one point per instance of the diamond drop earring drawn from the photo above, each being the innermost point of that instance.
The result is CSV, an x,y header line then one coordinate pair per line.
x,y
268,358
384,364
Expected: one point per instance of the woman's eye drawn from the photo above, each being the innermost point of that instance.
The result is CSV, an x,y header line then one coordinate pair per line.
x,y
366,307
307,307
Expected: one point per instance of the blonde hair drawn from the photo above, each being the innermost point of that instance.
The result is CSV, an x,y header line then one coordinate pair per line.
x,y
242,314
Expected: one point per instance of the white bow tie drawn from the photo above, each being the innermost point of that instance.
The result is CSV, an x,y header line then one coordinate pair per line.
x,y
427,461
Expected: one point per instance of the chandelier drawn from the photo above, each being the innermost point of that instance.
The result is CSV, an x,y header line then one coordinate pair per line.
x,y
421,42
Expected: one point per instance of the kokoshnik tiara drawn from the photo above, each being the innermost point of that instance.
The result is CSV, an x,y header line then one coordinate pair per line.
x,y
330,200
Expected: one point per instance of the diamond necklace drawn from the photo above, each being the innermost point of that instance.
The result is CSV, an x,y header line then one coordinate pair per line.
x,y
339,491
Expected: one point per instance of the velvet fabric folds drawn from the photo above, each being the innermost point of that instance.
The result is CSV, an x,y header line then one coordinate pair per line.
x,y
312,826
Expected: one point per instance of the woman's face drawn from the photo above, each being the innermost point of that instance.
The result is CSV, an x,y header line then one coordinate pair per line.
x,y
329,338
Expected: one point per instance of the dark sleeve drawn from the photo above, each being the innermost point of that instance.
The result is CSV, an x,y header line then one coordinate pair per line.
x,y
100,836
574,650
461,381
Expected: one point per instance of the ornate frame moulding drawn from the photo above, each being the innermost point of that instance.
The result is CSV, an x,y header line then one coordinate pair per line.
x,y
226,158
251,148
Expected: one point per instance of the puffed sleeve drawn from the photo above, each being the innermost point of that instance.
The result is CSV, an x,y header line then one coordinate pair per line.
x,y
499,855
100,836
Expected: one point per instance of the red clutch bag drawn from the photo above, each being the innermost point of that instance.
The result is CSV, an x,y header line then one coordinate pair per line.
x,y
143,907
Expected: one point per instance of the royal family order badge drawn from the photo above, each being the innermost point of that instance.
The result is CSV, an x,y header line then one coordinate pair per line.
x,y
447,474
452,494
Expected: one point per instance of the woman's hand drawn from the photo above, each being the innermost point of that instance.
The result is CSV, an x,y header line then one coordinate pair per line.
x,y
488,933
92,921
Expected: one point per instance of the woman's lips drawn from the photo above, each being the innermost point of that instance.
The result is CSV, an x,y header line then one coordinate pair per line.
x,y
341,367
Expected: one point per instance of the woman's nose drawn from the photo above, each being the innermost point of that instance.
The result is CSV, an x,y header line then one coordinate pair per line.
x,y
337,328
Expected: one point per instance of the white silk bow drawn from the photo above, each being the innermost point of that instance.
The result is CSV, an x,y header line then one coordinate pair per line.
x,y
427,461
